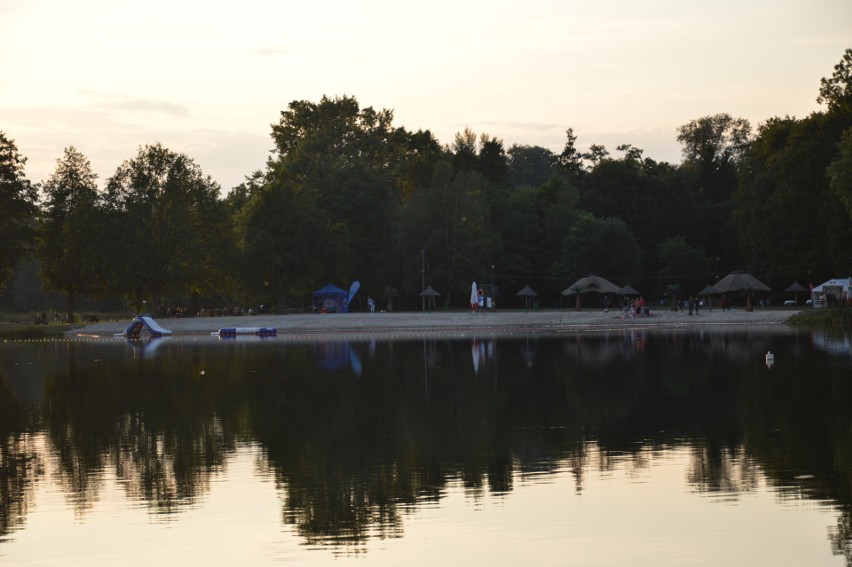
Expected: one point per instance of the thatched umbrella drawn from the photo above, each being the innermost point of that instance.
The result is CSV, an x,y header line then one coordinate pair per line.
x,y
741,281
590,284
430,294
795,288
709,290
627,290
527,293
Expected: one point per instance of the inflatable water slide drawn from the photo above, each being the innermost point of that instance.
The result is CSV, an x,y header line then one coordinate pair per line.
x,y
143,322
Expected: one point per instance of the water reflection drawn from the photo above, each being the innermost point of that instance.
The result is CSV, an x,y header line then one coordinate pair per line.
x,y
354,434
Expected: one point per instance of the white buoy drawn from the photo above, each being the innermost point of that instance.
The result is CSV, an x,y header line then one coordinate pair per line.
x,y
770,359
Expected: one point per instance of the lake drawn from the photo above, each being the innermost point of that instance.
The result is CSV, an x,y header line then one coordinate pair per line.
x,y
613,448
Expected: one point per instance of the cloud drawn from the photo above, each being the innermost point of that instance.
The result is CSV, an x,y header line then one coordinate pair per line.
x,y
109,101
268,51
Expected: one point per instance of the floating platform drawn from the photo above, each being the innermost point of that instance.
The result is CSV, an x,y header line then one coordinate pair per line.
x,y
233,332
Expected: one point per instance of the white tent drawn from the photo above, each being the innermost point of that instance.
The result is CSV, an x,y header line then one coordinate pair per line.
x,y
837,290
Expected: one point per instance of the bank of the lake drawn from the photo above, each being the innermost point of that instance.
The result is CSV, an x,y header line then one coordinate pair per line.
x,y
501,322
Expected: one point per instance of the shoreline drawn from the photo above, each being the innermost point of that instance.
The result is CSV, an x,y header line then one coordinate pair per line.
x,y
448,323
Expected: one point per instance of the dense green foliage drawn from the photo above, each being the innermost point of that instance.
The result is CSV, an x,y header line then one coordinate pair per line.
x,y
17,207
69,261
347,195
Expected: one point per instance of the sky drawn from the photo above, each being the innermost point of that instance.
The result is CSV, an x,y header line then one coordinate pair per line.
x,y
209,79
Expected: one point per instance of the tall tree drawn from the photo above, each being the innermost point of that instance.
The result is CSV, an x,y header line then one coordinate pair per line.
x,y
632,154
288,244
529,166
452,222
493,162
68,247
836,91
570,161
789,223
790,214
465,150
556,210
356,170
17,208
713,145
596,154
840,173
601,246
170,222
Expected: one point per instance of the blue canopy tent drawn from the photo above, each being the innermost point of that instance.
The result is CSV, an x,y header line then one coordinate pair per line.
x,y
332,299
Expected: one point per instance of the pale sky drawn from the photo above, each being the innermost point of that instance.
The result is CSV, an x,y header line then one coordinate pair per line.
x,y
208,79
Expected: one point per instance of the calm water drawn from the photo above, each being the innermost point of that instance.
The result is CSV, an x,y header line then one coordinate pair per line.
x,y
605,449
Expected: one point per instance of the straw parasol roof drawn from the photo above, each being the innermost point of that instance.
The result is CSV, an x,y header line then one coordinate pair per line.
x,y
591,284
796,287
526,293
709,290
740,281
627,290
431,294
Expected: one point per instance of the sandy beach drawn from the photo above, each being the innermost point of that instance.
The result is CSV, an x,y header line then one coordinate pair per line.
x,y
414,324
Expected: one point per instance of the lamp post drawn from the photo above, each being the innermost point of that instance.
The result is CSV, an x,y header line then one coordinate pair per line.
x,y
493,287
422,279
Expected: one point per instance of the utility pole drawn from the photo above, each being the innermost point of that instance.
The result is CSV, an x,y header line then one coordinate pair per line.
x,y
422,279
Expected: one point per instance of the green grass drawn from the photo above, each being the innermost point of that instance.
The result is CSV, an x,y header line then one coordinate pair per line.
x,y
26,331
836,317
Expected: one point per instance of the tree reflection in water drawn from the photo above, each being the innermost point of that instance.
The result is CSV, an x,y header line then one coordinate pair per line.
x,y
354,434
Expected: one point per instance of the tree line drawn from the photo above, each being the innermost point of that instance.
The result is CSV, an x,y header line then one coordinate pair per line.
x,y
347,195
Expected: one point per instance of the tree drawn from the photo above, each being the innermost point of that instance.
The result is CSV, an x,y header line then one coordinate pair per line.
x,y
713,145
836,91
67,245
529,166
570,161
17,208
618,188
465,150
288,244
789,220
683,266
355,170
556,209
452,222
517,231
313,138
601,246
840,173
169,225
596,154
632,154
492,160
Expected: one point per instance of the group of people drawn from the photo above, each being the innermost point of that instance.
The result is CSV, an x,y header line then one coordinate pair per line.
x,y
634,307
483,301
694,304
